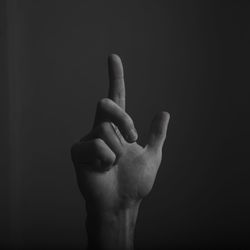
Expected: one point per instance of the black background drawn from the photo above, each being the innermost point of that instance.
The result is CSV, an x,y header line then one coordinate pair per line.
x,y
190,58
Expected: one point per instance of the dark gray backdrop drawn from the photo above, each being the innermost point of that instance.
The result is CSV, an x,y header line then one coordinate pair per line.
x,y
190,58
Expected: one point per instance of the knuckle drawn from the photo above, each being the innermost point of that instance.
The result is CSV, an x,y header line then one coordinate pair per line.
x,y
103,103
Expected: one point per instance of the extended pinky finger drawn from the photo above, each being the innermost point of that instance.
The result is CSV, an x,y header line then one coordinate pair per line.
x,y
94,154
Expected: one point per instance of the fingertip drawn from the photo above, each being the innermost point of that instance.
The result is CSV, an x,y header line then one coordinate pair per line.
x,y
164,115
131,136
115,69
158,130
104,153
110,159
114,57
161,121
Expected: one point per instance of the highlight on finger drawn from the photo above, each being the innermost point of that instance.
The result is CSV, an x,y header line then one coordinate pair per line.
x,y
115,67
158,131
116,80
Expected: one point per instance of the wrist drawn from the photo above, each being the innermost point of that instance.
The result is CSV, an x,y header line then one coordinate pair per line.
x,y
111,229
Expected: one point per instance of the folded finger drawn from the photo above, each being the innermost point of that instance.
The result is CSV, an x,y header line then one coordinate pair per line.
x,y
90,152
108,110
106,132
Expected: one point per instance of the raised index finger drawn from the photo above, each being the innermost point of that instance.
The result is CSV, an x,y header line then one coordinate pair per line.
x,y
116,80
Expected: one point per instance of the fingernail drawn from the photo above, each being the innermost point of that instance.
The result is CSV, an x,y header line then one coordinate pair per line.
x,y
132,135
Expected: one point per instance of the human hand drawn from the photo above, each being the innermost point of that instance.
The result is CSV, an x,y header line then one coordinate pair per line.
x,y
114,173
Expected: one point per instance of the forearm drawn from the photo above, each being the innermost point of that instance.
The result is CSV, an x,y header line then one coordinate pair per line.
x,y
112,230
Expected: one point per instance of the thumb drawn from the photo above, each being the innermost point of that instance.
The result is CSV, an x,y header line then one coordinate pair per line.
x,y
158,131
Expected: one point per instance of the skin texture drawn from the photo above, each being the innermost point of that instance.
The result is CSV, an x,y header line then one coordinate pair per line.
x,y
115,173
